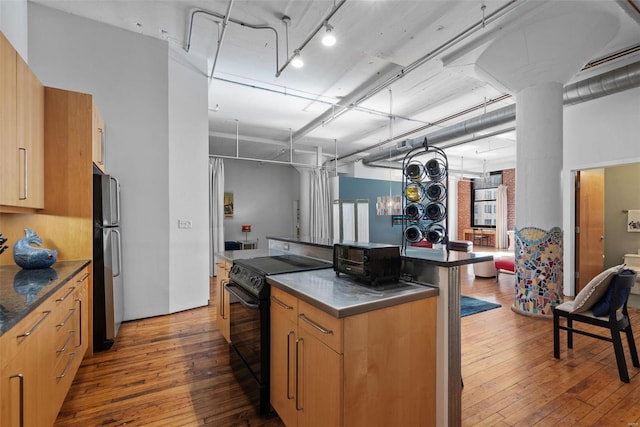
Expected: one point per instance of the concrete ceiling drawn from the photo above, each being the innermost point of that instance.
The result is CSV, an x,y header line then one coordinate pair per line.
x,y
385,79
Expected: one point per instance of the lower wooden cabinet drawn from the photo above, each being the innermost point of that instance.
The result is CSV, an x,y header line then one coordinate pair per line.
x,y
374,368
222,297
41,355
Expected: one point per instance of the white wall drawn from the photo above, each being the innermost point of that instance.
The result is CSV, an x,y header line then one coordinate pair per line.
x,y
188,184
13,24
129,76
599,133
263,195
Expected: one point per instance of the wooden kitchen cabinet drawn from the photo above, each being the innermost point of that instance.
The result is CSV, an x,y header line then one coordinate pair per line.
x,y
306,367
71,338
373,368
99,141
23,383
222,297
41,354
22,134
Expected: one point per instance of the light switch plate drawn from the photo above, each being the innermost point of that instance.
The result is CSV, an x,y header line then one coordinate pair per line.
x,y
185,223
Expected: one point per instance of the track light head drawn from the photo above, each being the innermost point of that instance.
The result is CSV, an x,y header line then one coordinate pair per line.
x,y
297,61
328,39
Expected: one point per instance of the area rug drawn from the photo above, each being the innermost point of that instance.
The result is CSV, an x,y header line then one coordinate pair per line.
x,y
469,306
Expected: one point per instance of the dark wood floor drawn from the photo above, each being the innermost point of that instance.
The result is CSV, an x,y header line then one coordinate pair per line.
x,y
174,371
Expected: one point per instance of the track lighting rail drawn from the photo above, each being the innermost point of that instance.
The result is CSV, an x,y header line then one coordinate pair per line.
x,y
320,26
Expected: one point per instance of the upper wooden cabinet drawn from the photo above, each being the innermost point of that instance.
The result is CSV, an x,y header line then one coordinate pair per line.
x,y
21,132
99,146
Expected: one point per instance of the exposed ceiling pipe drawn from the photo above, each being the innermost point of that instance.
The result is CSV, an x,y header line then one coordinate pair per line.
x,y
390,163
313,33
399,72
428,125
225,22
613,81
314,98
234,21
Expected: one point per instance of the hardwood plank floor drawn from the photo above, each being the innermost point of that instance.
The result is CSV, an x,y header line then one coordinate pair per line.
x,y
174,371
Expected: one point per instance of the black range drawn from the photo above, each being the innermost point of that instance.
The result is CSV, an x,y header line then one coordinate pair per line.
x,y
249,312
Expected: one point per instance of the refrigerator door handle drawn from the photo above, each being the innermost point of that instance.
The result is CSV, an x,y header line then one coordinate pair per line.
x,y
117,221
119,249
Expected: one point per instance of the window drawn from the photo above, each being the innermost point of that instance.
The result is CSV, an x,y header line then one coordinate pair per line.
x,y
483,200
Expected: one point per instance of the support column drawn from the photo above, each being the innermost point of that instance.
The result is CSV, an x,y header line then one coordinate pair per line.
x,y
538,252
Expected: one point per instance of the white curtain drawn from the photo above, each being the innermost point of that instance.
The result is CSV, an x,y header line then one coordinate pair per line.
x,y
320,205
502,240
216,210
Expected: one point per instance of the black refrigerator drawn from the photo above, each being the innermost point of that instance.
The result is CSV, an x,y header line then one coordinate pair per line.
x,y
108,287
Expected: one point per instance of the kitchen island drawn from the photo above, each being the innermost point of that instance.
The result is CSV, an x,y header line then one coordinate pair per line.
x,y
441,269
347,354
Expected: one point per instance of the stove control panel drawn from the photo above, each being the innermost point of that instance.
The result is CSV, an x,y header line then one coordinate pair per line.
x,y
246,278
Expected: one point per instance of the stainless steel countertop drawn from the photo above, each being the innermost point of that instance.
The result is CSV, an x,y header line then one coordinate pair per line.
x,y
343,296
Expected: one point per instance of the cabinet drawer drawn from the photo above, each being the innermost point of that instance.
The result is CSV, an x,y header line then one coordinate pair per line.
x,y
24,332
286,304
323,326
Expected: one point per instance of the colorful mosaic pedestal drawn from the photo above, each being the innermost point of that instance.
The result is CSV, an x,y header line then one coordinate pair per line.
x,y
538,271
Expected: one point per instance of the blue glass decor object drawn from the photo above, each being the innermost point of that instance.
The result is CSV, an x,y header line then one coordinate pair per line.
x,y
30,282
29,257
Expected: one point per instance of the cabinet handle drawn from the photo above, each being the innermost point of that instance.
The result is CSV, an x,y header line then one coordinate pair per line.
x,y
79,301
83,278
315,325
71,289
289,363
298,407
25,174
66,343
21,378
64,322
30,331
221,299
64,373
281,304
103,146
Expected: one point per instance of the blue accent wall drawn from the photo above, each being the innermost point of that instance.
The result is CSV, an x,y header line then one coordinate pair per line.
x,y
380,228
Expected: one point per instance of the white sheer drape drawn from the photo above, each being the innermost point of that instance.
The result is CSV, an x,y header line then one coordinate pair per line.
x,y
320,205
502,240
216,210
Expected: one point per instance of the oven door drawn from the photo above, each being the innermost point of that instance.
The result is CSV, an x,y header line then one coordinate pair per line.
x,y
247,328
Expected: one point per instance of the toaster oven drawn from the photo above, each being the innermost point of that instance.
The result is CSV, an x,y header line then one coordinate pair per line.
x,y
368,262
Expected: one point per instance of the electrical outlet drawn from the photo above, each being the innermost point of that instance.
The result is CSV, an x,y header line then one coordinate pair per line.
x,y
185,223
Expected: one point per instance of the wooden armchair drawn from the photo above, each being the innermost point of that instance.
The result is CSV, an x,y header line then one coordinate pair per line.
x,y
609,312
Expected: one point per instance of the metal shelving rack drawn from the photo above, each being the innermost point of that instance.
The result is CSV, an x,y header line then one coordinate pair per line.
x,y
424,190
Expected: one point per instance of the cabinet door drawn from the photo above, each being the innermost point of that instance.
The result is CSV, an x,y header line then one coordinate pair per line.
x,y
222,300
24,374
30,137
98,151
320,397
283,362
8,144
82,318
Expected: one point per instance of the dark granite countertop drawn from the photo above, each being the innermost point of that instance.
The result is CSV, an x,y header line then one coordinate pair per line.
x,y
325,243
247,253
443,258
343,296
21,291
437,257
